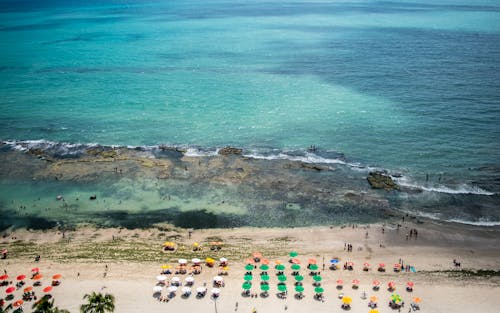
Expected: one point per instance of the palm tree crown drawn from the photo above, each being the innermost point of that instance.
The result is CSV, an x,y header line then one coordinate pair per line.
x,y
98,303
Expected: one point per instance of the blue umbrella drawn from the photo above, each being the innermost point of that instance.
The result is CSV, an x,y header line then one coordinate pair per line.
x,y
334,261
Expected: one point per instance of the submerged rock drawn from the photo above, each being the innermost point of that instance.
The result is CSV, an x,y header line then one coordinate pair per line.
x,y
380,181
230,150
104,153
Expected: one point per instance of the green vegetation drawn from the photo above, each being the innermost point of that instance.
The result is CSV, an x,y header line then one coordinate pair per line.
x,y
98,303
44,305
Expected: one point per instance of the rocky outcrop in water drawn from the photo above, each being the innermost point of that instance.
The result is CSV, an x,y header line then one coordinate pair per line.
x,y
380,181
226,151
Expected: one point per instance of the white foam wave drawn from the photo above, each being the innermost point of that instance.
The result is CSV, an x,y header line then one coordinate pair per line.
x,y
461,189
306,158
193,152
485,223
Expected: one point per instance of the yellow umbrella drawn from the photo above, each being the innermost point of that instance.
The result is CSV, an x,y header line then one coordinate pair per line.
x,y
168,244
165,267
346,300
196,244
373,311
226,268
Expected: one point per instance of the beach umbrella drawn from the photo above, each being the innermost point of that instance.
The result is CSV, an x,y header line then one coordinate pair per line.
x,y
165,267
37,277
4,277
334,261
350,264
313,267
201,290
264,287
410,284
209,261
311,261
293,254
366,264
28,289
223,260
215,291
35,270
248,277
11,289
57,277
317,278
340,282
319,290
373,311
417,300
161,278
248,267
373,299
396,298
47,289
257,255
265,261
376,283
175,279
295,267
282,288
355,282
186,290
182,261
295,261
249,261
280,267
264,267
282,278
247,285
299,288
157,289
277,262
190,279
218,278
172,289
21,277
195,261
381,265
346,300
264,277
17,303
299,278
391,285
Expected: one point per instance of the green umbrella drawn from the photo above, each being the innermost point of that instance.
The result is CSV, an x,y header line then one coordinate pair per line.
x,y
248,277
396,298
282,288
319,290
317,278
313,267
246,285
249,267
299,278
282,278
264,277
264,267
280,267
293,254
295,267
264,287
299,288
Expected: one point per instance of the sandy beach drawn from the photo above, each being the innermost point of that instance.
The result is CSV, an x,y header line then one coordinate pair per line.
x,y
131,274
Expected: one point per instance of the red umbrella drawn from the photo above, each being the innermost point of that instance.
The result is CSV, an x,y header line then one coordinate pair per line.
x,y
257,255
57,276
264,261
350,263
47,289
18,303
381,265
4,277
366,264
340,282
295,261
355,282
21,277
35,270
28,289
410,284
376,283
397,265
249,261
391,284
11,289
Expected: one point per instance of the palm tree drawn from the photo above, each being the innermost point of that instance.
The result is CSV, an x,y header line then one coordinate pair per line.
x,y
46,306
98,303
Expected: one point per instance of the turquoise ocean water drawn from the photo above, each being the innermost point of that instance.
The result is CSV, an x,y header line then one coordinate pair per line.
x,y
412,87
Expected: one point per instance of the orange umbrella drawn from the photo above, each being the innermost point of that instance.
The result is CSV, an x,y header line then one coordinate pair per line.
x,y
397,265
295,261
373,299
18,303
57,276
312,261
265,261
257,255
37,277
278,262
28,289
47,289
417,300
249,261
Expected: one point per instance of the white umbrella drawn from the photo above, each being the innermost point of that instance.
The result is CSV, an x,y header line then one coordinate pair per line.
x,y
186,290
223,260
218,278
161,278
157,288
215,291
172,289
189,279
175,279
196,261
182,261
201,289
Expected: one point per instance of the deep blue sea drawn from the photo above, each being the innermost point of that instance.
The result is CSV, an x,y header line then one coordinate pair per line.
x,y
411,87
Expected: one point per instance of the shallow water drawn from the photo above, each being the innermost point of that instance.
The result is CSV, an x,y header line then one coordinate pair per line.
x,y
411,87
